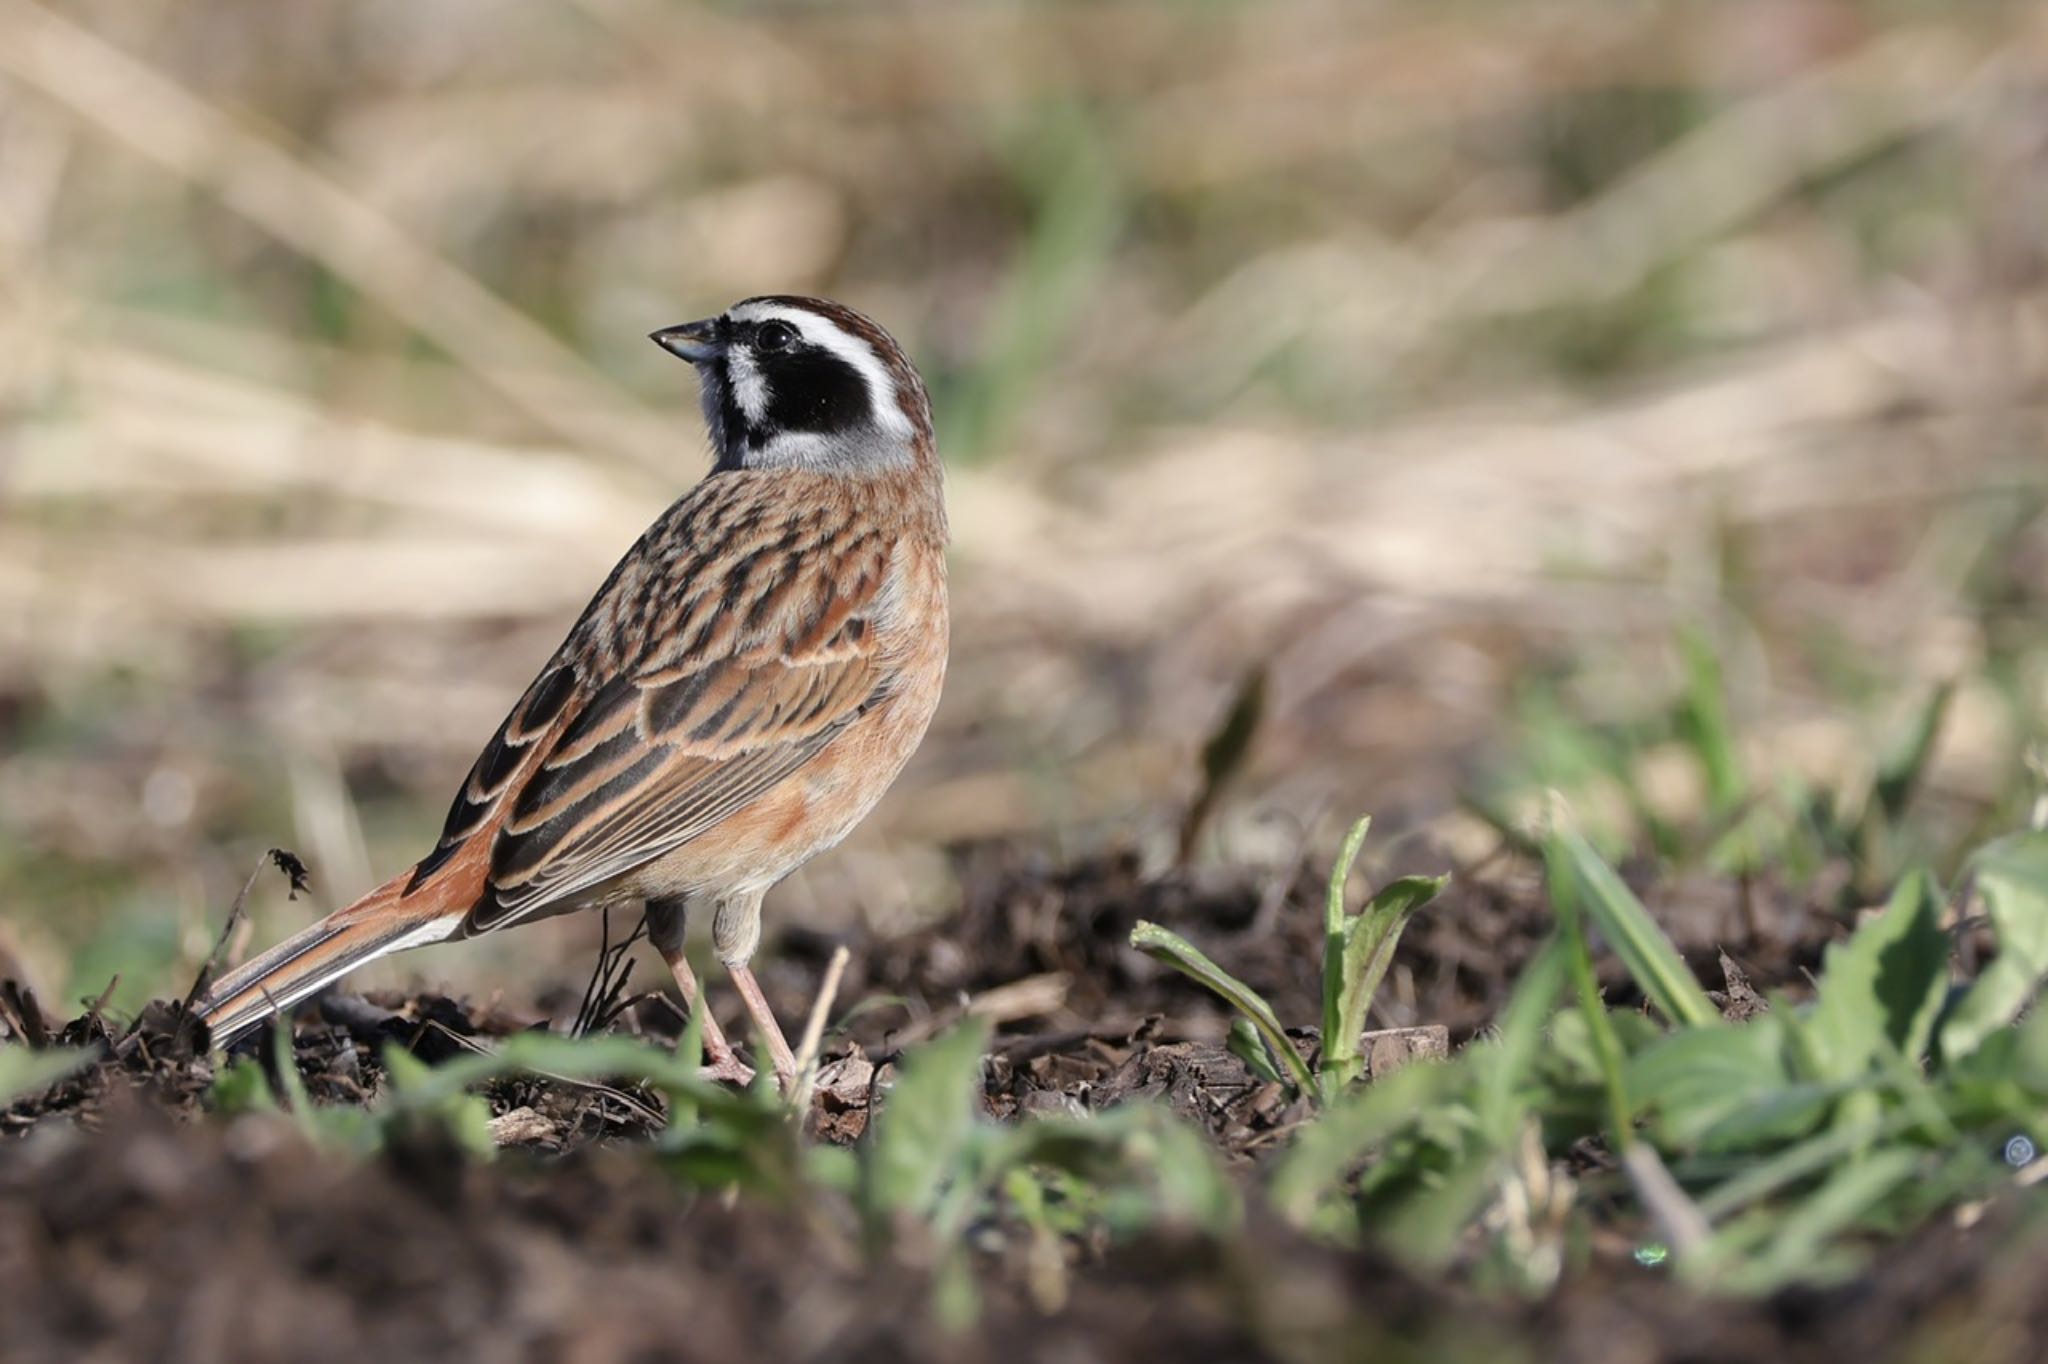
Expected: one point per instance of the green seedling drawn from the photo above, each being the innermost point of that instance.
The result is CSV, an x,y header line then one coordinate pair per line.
x,y
934,1161
1357,949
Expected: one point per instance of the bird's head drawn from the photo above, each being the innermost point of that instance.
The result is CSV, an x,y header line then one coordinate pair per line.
x,y
805,383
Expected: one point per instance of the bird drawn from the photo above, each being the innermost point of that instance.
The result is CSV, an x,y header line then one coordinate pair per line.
x,y
741,691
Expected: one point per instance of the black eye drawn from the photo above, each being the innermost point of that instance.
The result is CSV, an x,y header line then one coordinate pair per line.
x,y
774,335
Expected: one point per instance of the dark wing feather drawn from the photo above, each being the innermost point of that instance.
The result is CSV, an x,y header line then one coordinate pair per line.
x,y
623,802
705,674
546,701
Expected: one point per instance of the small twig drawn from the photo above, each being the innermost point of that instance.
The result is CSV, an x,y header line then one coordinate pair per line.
x,y
597,972
18,1007
314,212
97,1005
607,980
814,1031
295,873
615,1000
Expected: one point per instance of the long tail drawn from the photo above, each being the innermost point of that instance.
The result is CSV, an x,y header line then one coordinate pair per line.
x,y
377,925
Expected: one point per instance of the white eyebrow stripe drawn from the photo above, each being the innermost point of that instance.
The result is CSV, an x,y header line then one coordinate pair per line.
x,y
826,335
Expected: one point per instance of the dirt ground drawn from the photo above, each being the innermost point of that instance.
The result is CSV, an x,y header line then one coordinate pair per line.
x,y
128,1230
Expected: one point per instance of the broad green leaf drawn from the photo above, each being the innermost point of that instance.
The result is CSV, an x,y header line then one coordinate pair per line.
x,y
1185,957
1568,1053
1579,878
1845,1198
956,1299
25,1070
1693,1079
1887,981
2012,876
1775,1117
2018,1054
922,1133
833,1168
1369,942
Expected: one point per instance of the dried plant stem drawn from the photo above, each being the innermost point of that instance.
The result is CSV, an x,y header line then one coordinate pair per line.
x,y
315,213
814,1031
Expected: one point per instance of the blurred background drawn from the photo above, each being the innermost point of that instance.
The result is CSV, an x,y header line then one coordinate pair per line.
x,y
1639,400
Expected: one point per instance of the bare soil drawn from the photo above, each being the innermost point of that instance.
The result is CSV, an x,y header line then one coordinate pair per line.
x,y
130,1230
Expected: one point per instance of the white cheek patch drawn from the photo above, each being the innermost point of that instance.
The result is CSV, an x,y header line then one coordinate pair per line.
x,y
826,336
749,385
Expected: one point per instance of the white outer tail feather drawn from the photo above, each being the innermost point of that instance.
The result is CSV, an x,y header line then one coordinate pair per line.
x,y
266,985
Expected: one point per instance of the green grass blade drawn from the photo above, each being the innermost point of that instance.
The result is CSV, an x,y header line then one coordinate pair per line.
x,y
1804,1231
1336,1051
1247,1046
1509,1059
1580,880
1607,1053
1066,167
1899,770
1185,957
1759,1179
1703,720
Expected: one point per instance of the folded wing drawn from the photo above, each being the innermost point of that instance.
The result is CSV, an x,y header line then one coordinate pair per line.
x,y
652,726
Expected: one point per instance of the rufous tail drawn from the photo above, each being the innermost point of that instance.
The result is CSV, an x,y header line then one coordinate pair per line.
x,y
377,925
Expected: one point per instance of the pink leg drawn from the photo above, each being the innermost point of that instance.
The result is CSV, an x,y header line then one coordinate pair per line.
x,y
723,1063
764,1019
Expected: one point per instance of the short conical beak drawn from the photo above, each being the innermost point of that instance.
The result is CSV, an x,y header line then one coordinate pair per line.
x,y
693,341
